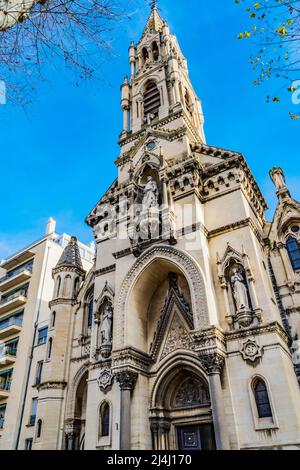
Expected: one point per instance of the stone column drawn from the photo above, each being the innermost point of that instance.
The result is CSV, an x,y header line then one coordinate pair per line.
x,y
127,381
213,364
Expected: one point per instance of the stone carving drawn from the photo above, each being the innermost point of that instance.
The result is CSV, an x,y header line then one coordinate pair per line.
x,y
212,362
150,191
126,379
105,379
106,325
251,351
191,393
277,176
178,338
239,289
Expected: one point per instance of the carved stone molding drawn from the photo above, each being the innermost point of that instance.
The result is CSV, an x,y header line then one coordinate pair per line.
x,y
178,338
105,380
212,362
251,351
131,357
52,386
187,265
126,379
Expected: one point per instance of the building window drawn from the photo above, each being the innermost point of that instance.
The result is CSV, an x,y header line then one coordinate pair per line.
x,y
145,55
151,100
38,375
42,336
67,286
293,248
5,380
155,51
53,319
262,399
33,412
58,285
9,348
28,444
49,349
76,286
104,420
39,429
2,415
90,313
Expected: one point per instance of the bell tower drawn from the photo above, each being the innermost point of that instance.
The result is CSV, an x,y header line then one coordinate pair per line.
x,y
158,94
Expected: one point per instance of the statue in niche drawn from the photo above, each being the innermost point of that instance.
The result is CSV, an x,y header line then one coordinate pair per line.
x,y
106,325
239,289
277,176
150,198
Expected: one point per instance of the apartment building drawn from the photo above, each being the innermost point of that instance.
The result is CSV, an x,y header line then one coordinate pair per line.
x,y
26,287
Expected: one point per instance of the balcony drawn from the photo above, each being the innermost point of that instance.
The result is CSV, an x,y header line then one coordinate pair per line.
x,y
4,389
8,355
10,327
18,276
13,301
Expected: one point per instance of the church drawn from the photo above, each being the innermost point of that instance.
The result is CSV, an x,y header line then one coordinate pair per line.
x,y
184,333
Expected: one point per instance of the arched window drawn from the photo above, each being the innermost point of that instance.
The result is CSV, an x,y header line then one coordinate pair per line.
x,y
76,286
151,99
49,349
293,248
67,286
58,284
39,429
262,399
145,54
90,313
155,51
53,319
104,420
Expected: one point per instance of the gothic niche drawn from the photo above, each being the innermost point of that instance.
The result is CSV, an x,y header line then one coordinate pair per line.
x,y
236,277
191,393
105,329
145,222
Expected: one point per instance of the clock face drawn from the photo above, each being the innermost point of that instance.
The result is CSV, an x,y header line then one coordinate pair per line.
x,y
151,145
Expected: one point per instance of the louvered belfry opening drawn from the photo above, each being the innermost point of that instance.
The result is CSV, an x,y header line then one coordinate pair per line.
x,y
151,100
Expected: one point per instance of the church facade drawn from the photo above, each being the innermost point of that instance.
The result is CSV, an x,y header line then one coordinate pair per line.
x,y
184,334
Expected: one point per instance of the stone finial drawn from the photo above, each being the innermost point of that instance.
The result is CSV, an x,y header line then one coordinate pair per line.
x,y
51,226
278,178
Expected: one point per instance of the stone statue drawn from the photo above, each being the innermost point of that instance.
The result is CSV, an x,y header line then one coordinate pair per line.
x,y
150,190
277,176
240,292
106,325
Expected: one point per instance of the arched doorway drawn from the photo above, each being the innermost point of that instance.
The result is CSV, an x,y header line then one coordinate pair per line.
x,y
80,412
181,417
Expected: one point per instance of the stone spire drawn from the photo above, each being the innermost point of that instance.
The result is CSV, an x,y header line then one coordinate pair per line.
x,y
71,255
155,23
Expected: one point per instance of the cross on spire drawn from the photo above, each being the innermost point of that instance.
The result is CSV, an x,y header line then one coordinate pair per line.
x,y
153,4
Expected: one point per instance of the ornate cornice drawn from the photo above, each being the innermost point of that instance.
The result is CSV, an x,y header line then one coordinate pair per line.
x,y
273,327
61,301
235,226
131,357
106,270
52,386
69,269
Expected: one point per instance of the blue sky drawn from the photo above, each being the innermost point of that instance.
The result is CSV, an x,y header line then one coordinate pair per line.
x,y
58,158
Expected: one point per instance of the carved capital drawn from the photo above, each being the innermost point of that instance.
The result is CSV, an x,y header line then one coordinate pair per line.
x,y
127,380
212,362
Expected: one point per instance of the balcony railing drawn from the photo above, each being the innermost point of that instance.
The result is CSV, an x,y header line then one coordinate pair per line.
x,y
8,351
13,321
15,272
20,293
